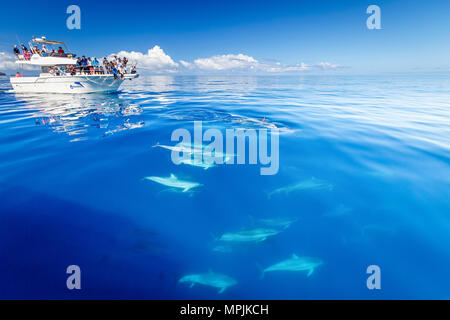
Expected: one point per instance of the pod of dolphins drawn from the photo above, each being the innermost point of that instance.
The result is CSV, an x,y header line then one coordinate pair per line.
x,y
267,227
255,235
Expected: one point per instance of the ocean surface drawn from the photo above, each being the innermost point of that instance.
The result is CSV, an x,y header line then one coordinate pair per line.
x,y
72,190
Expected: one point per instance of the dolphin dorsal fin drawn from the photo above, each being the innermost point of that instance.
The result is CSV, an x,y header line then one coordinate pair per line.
x,y
294,256
172,176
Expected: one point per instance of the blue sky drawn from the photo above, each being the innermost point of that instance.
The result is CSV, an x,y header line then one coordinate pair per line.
x,y
414,36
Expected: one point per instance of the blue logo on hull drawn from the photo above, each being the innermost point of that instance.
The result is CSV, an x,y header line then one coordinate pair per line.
x,y
76,85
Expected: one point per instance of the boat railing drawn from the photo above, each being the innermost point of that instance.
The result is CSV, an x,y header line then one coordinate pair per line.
x,y
89,70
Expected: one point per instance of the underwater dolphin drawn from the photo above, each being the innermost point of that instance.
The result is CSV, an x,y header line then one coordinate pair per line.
x,y
295,263
181,147
212,155
211,279
188,148
254,235
174,182
278,222
262,123
310,184
195,163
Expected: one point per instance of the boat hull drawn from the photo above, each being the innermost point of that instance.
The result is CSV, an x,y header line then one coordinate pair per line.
x,y
68,84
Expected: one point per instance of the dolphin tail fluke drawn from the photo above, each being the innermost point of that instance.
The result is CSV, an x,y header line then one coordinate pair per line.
x,y
310,272
222,290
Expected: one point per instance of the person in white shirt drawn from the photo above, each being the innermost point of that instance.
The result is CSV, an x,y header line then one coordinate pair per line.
x,y
122,69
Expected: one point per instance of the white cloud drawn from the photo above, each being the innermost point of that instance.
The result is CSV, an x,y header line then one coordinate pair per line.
x,y
154,60
227,62
7,61
187,64
279,68
242,62
327,65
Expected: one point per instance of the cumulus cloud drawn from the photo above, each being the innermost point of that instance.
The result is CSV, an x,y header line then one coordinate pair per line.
x,y
7,61
154,60
279,68
227,62
242,62
186,64
327,65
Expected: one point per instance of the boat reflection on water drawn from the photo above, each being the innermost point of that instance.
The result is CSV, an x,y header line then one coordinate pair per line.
x,y
83,115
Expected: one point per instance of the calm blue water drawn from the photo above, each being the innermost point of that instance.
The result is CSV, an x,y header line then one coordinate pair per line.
x,y
71,189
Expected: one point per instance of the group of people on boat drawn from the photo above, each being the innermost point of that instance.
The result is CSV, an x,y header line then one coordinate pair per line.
x,y
43,52
116,66
62,70
88,65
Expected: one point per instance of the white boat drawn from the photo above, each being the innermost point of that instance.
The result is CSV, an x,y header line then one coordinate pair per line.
x,y
47,82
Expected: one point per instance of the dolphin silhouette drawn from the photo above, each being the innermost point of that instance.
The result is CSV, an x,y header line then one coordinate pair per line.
x,y
211,279
295,263
174,182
